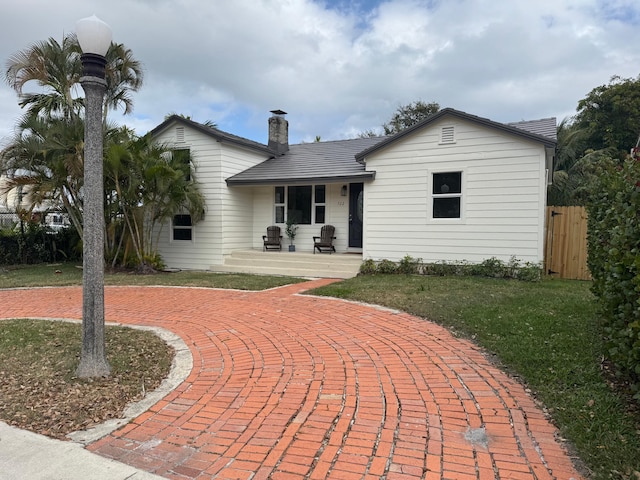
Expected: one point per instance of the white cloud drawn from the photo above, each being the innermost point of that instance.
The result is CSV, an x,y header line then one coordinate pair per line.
x,y
341,67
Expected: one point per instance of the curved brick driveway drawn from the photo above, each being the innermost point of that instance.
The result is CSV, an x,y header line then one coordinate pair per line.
x,y
293,386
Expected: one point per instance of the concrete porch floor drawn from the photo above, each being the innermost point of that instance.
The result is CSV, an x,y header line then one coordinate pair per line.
x,y
295,264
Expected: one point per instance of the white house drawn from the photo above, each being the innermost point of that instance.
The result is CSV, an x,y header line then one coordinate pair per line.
x,y
453,187
16,200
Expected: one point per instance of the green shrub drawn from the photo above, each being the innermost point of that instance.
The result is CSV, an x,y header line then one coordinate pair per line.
x,y
491,267
440,269
154,261
368,267
409,265
387,267
529,272
38,244
614,259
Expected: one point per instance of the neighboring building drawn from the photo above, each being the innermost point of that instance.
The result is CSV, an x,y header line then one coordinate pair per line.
x,y
14,200
453,187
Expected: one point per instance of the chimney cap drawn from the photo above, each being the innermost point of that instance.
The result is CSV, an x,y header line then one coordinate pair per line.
x,y
278,112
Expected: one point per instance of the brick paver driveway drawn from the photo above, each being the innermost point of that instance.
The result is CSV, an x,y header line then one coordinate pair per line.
x,y
293,386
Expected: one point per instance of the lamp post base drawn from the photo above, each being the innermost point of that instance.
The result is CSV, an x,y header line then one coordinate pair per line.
x,y
91,367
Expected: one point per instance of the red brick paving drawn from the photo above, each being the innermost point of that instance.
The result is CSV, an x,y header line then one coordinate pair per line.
x,y
287,386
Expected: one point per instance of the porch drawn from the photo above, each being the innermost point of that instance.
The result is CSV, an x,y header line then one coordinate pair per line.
x,y
294,264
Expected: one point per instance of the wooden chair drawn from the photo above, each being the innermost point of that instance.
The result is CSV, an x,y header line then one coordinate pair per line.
x,y
272,240
324,243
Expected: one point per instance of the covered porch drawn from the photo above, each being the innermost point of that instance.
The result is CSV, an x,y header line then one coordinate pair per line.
x,y
294,264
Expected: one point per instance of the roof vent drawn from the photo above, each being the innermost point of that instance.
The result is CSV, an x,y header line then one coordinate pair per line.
x,y
447,134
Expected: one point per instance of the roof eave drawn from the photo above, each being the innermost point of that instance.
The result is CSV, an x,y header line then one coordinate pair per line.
x,y
365,176
547,142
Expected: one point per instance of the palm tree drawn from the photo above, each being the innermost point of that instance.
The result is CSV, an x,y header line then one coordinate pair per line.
x,y
45,160
57,68
151,186
54,67
47,150
123,75
569,172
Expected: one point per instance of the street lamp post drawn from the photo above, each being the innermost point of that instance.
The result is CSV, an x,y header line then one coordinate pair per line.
x,y
94,37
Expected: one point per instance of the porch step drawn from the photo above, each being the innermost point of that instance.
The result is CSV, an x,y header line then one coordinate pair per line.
x,y
293,264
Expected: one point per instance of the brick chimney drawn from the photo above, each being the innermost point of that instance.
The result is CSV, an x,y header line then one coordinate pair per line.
x,y
278,132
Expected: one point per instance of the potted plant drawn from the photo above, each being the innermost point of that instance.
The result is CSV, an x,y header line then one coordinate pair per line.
x,y
291,231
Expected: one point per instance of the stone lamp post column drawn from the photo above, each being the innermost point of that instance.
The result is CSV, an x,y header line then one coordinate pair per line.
x,y
94,37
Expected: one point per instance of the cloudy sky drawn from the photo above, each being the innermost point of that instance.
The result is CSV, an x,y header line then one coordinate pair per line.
x,y
340,67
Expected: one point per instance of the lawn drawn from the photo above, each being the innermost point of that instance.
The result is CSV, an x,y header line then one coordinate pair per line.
x,y
545,334
65,274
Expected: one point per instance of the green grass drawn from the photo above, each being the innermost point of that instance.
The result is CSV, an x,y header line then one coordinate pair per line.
x,y
65,274
544,333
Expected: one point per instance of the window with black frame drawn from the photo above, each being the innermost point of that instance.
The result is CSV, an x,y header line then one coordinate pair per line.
x,y
447,195
182,227
301,204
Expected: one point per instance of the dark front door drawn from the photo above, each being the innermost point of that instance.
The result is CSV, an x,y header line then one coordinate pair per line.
x,y
356,192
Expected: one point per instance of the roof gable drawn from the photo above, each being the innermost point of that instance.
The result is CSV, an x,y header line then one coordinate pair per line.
x,y
524,130
214,133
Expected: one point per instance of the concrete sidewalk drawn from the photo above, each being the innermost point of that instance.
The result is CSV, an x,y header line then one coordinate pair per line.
x,y
28,456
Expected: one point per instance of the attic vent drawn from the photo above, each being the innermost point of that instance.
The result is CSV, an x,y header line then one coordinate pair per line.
x,y
447,135
180,134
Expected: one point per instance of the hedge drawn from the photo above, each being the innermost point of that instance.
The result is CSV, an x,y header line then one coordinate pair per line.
x,y
38,244
613,210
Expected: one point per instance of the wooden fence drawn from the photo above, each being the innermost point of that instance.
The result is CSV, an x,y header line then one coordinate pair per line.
x,y
565,253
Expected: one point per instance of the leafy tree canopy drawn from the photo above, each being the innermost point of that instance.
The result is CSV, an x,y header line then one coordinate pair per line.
x,y
610,115
404,117
408,115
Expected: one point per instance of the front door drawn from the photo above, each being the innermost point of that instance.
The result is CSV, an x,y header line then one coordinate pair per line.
x,y
356,192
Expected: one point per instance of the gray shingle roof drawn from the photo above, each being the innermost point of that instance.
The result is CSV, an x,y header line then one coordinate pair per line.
x,y
547,127
332,161
342,160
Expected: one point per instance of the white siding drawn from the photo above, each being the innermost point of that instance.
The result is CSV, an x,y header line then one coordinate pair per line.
x,y
336,214
228,217
503,197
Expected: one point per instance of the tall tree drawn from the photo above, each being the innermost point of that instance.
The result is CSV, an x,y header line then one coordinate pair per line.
x,y
569,175
407,115
123,75
56,68
404,117
45,160
610,115
152,184
47,149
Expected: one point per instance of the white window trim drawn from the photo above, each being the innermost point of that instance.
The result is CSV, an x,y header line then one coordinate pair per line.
x,y
192,228
313,202
323,204
282,204
462,195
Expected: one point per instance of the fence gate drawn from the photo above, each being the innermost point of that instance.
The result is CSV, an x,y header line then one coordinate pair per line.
x,y
566,243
